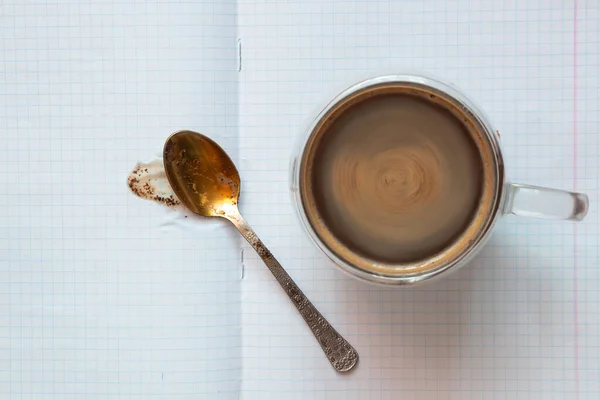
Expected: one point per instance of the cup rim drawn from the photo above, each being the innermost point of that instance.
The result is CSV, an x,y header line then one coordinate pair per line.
x,y
469,108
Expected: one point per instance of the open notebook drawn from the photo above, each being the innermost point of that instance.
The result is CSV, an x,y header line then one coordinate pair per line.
x,y
104,295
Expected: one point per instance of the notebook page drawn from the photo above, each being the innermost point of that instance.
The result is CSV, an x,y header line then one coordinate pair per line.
x,y
521,321
102,294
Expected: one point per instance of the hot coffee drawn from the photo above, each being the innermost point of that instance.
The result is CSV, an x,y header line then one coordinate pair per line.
x,y
396,177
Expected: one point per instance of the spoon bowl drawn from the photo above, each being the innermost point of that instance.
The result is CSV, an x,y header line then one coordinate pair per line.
x,y
201,174
206,181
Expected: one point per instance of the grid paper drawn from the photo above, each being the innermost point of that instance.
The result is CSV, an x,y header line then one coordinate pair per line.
x,y
103,295
521,322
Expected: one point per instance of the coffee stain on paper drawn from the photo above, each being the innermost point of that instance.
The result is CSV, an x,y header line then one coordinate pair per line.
x,y
149,181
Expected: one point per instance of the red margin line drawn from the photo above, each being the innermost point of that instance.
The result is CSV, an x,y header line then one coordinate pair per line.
x,y
575,277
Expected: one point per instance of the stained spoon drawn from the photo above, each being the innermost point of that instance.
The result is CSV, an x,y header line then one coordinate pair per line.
x,y
206,181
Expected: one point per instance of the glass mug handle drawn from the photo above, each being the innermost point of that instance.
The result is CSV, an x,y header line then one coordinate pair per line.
x,y
545,203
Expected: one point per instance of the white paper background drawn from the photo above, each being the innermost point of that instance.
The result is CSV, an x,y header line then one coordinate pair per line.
x,y
103,295
513,324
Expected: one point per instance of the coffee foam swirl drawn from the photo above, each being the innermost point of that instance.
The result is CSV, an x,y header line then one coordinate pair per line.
x,y
387,184
396,178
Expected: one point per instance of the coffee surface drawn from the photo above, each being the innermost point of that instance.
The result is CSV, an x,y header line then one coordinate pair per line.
x,y
396,178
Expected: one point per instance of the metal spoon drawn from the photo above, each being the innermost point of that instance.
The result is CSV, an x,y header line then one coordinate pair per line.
x,y
206,181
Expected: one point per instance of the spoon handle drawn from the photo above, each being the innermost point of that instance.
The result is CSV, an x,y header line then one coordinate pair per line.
x,y
340,353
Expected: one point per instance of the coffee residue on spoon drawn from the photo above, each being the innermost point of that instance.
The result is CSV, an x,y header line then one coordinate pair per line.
x,y
149,181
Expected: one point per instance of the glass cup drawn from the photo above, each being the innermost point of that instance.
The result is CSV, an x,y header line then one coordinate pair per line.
x,y
499,197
